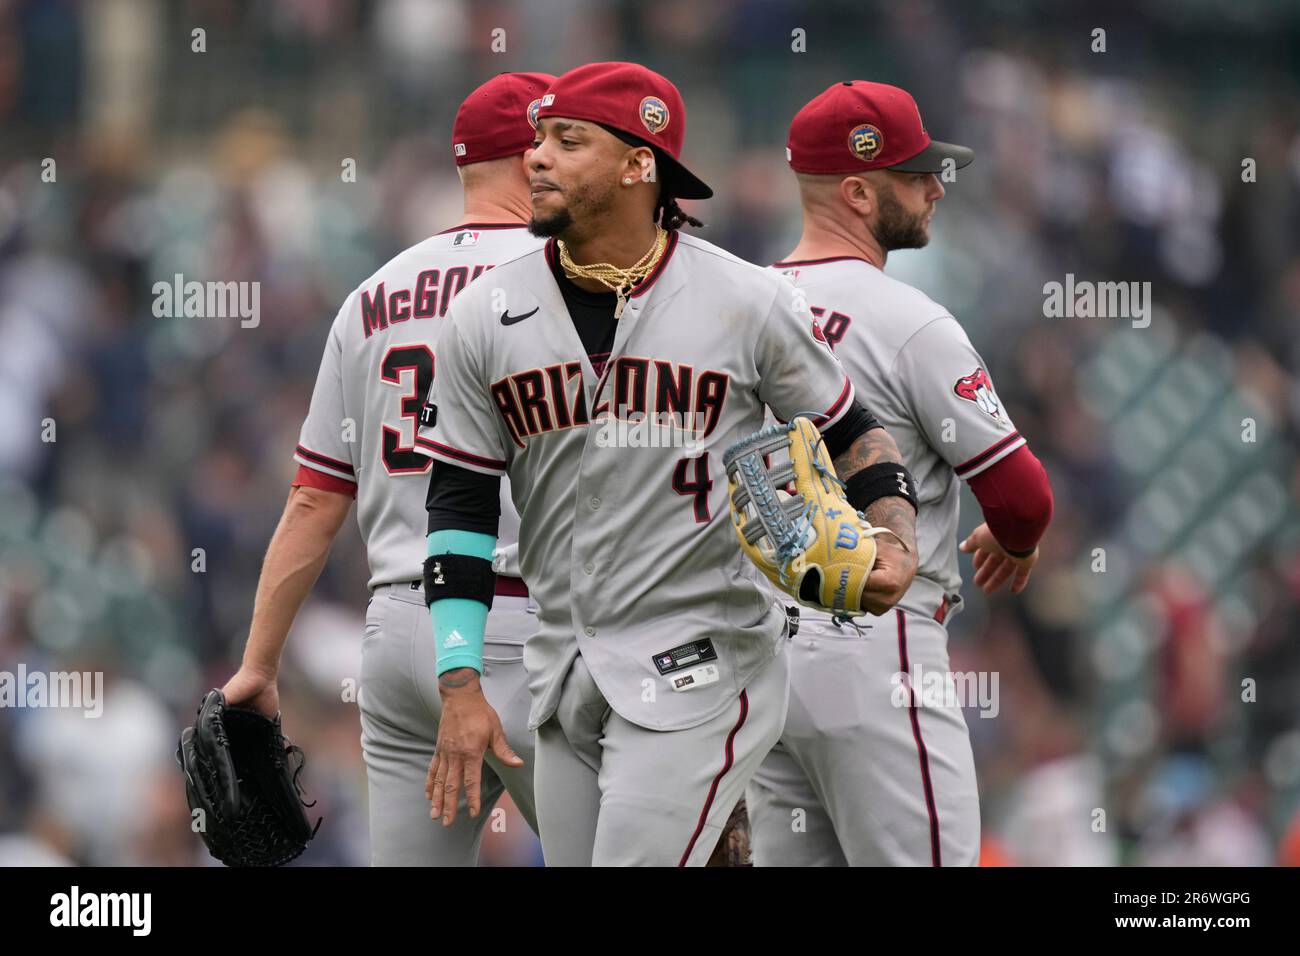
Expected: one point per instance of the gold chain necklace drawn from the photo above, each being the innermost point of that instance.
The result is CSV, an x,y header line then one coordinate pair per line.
x,y
619,281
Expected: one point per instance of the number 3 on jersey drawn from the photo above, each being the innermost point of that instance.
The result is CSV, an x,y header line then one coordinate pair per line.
x,y
401,458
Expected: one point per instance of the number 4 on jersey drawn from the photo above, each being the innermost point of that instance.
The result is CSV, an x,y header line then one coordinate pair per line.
x,y
698,486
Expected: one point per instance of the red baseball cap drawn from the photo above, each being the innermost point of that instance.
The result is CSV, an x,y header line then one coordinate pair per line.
x,y
858,125
499,118
639,106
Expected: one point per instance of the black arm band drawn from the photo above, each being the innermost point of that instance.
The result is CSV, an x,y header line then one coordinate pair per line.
x,y
839,437
458,576
885,479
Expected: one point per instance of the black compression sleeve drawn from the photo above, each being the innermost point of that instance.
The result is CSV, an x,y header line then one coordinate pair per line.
x,y
840,436
463,499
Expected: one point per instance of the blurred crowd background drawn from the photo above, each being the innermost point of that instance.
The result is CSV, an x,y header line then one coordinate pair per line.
x,y
1150,676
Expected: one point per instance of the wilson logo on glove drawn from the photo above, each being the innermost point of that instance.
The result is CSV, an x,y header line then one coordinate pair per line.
x,y
811,544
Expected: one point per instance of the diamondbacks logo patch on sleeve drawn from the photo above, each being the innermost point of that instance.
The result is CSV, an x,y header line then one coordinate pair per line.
x,y
977,389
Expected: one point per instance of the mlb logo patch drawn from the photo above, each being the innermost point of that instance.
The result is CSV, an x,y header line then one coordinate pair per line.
x,y
465,238
458,149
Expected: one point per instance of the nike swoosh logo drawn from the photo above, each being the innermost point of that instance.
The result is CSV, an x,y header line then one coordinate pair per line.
x,y
508,319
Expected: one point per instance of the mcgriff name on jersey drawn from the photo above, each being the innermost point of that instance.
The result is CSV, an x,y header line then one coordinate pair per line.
x,y
428,298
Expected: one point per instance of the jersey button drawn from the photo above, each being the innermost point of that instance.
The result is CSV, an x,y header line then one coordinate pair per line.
x,y
589,568
595,504
589,631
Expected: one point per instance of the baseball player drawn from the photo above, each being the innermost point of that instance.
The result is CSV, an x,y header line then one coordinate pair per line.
x,y
869,770
358,442
658,675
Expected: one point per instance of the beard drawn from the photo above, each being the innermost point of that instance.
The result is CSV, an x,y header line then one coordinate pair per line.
x,y
553,225
896,228
584,205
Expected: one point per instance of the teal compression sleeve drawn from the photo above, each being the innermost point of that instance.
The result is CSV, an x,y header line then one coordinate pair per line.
x,y
459,623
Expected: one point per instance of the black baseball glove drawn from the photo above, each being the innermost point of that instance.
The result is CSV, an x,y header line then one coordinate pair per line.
x,y
237,775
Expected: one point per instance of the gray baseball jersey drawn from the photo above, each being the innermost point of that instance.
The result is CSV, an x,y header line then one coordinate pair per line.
x,y
878,770
374,379
917,371
373,382
626,540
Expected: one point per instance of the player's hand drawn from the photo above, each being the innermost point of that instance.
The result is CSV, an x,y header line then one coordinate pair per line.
x,y
891,575
253,689
468,728
993,566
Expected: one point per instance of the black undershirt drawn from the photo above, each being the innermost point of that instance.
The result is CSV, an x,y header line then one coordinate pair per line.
x,y
462,499
841,436
592,314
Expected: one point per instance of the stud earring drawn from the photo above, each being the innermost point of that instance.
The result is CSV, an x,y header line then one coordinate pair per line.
x,y
627,180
